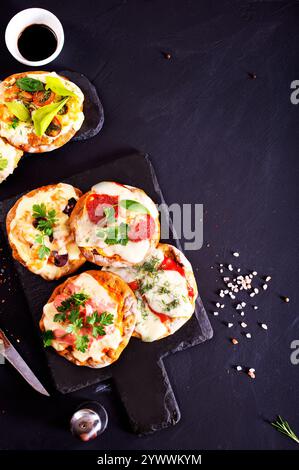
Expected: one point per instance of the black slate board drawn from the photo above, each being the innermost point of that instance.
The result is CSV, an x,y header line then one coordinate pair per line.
x,y
92,106
145,391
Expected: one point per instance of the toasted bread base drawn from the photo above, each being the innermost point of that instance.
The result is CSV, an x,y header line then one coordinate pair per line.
x,y
35,143
69,268
175,323
97,258
18,155
119,290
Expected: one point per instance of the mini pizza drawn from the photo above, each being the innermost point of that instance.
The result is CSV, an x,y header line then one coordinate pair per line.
x,y
165,289
90,318
39,111
115,224
39,232
9,159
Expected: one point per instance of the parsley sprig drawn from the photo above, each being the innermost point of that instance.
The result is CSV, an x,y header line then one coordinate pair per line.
x,y
14,123
81,343
69,310
74,300
43,249
98,322
45,223
48,336
150,266
168,306
164,289
145,287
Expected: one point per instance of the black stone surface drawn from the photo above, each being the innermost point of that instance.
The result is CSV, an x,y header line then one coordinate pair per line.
x,y
215,137
92,106
140,376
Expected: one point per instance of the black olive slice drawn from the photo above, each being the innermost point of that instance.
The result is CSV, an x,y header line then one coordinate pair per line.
x,y
70,206
60,260
36,221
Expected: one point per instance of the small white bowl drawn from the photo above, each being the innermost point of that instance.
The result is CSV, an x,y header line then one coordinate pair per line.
x,y
22,20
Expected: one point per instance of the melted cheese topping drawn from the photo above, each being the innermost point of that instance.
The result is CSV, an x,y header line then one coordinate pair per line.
x,y
9,159
73,119
113,338
165,292
169,295
86,231
23,234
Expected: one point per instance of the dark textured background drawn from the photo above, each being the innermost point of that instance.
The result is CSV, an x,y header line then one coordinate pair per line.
x,y
215,137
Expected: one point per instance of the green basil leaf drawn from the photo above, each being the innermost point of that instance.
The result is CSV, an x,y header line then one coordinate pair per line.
x,y
114,234
42,117
56,85
29,84
117,235
3,163
133,206
43,251
19,110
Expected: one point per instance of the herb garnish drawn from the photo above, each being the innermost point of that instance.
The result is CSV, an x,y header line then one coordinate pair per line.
x,y
45,223
75,300
71,305
29,84
48,336
150,266
170,305
69,310
43,249
98,322
133,206
283,426
113,234
143,288
81,343
116,234
109,214
46,219
14,123
164,289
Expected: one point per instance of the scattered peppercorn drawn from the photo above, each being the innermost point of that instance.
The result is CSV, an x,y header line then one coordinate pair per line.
x,y
252,75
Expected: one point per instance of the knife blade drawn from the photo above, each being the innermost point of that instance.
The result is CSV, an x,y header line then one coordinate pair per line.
x,y
12,355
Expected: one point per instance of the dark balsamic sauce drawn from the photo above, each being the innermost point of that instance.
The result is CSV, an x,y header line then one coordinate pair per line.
x,y
37,42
